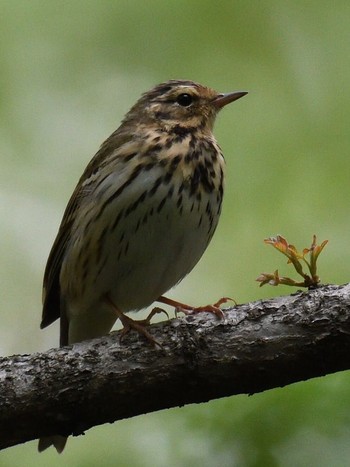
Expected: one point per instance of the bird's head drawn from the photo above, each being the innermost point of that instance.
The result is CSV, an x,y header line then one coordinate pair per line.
x,y
180,103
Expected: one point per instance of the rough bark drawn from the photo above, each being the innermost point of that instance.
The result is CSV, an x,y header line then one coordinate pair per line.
x,y
257,346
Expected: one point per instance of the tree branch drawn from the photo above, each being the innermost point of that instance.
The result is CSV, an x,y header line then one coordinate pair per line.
x,y
258,346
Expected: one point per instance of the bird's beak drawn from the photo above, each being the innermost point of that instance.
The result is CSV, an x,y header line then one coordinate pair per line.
x,y
222,99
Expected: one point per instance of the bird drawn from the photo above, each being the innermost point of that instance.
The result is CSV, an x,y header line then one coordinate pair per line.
x,y
140,217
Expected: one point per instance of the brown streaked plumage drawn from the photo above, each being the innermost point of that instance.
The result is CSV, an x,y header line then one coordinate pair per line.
x,y
140,218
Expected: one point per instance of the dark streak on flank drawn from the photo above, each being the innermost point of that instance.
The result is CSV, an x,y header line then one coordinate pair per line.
x,y
170,192
85,274
195,180
126,248
134,205
100,243
117,220
85,269
120,190
137,225
208,208
221,186
209,213
167,177
181,188
206,181
155,186
161,205
179,201
147,167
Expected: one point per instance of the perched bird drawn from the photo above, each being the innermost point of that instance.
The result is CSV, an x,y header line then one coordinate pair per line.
x,y
140,217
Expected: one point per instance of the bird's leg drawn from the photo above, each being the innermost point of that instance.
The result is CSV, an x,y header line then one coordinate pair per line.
x,y
190,310
137,325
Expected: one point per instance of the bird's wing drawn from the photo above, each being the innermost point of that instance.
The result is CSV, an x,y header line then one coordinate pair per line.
x,y
51,284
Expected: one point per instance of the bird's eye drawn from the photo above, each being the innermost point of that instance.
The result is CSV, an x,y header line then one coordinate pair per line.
x,y
184,100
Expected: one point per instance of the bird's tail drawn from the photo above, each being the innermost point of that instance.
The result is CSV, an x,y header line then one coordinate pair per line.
x,y
57,441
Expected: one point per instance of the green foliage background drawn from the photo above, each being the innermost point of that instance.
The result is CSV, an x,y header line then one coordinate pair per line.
x,y
69,71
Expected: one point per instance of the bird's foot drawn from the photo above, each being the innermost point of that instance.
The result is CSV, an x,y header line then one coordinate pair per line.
x,y
189,310
137,325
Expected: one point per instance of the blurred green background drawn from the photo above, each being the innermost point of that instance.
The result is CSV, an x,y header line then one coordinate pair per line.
x,y
69,71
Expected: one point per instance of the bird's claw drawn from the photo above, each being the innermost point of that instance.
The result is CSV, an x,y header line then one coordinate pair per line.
x,y
140,327
215,308
155,311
